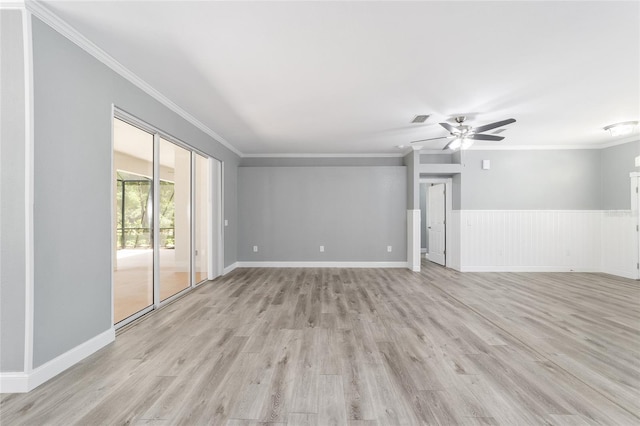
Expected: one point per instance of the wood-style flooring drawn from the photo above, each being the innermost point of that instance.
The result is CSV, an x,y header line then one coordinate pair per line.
x,y
364,347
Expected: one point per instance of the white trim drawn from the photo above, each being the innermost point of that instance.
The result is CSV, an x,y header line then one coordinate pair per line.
x,y
327,155
632,275
12,5
14,382
54,21
29,191
413,240
634,174
312,264
500,268
230,268
113,215
71,357
603,145
212,223
25,382
626,139
436,152
220,223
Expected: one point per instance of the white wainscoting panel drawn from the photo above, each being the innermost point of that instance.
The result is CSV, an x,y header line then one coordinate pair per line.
x,y
620,243
530,240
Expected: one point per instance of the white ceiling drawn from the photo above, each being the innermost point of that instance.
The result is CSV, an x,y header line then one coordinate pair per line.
x,y
348,77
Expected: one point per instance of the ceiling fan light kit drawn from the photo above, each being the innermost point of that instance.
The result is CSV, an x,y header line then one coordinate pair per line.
x,y
464,136
621,129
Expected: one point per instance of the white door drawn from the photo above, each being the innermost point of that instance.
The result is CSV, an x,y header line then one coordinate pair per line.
x,y
436,223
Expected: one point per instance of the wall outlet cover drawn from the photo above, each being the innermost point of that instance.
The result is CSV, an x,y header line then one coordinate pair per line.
x,y
255,249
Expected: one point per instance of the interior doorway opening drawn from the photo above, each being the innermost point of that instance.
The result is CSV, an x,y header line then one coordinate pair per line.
x,y
435,218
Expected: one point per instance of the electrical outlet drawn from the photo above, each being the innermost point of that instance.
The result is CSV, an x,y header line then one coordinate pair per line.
x,y
389,249
255,249
321,249
226,222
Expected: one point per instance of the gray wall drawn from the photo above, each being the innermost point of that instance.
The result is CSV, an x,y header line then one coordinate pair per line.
x,y
616,164
531,180
355,212
412,162
73,97
12,192
320,161
444,158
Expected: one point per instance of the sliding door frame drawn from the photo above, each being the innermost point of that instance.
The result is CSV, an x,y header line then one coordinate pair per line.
x,y
158,134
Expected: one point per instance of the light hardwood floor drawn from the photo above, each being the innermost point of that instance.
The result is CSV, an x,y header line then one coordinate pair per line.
x,y
364,347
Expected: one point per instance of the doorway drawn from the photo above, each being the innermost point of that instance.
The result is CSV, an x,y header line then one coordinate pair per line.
x,y
163,218
435,210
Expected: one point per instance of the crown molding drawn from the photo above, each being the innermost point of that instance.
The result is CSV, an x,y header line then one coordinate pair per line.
x,y
552,147
37,9
626,139
328,155
12,5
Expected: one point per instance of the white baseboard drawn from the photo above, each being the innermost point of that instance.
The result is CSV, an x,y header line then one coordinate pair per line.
x,y
23,382
516,268
630,273
322,264
14,382
230,268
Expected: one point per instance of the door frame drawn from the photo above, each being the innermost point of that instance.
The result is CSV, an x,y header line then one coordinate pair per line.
x,y
448,203
635,211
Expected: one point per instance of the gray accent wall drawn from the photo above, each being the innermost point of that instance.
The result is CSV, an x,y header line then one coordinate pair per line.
x,y
355,212
616,164
74,93
531,180
12,192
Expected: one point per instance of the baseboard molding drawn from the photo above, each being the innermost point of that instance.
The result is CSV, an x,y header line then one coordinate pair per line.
x,y
14,382
525,269
631,274
229,268
303,264
23,382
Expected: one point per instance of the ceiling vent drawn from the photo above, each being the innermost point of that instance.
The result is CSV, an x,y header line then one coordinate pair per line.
x,y
420,119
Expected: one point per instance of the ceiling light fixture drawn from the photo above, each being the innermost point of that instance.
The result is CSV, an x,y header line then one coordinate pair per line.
x,y
455,144
621,129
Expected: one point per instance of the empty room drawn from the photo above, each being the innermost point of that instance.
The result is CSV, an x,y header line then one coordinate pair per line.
x,y
319,212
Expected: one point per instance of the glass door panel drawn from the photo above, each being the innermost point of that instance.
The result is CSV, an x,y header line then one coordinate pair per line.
x,y
174,219
201,217
133,189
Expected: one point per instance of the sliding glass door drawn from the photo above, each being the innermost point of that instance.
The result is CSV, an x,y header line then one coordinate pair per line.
x,y
175,219
134,254
163,239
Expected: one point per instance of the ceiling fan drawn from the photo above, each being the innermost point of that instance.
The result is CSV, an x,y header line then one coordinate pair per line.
x,y
464,136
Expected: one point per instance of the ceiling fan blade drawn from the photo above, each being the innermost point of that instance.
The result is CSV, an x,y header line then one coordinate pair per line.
x,y
485,137
449,127
494,125
430,139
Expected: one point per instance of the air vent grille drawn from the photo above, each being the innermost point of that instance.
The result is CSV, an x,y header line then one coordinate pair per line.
x,y
420,119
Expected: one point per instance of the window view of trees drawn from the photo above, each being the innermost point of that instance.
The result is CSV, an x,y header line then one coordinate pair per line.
x,y
134,212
